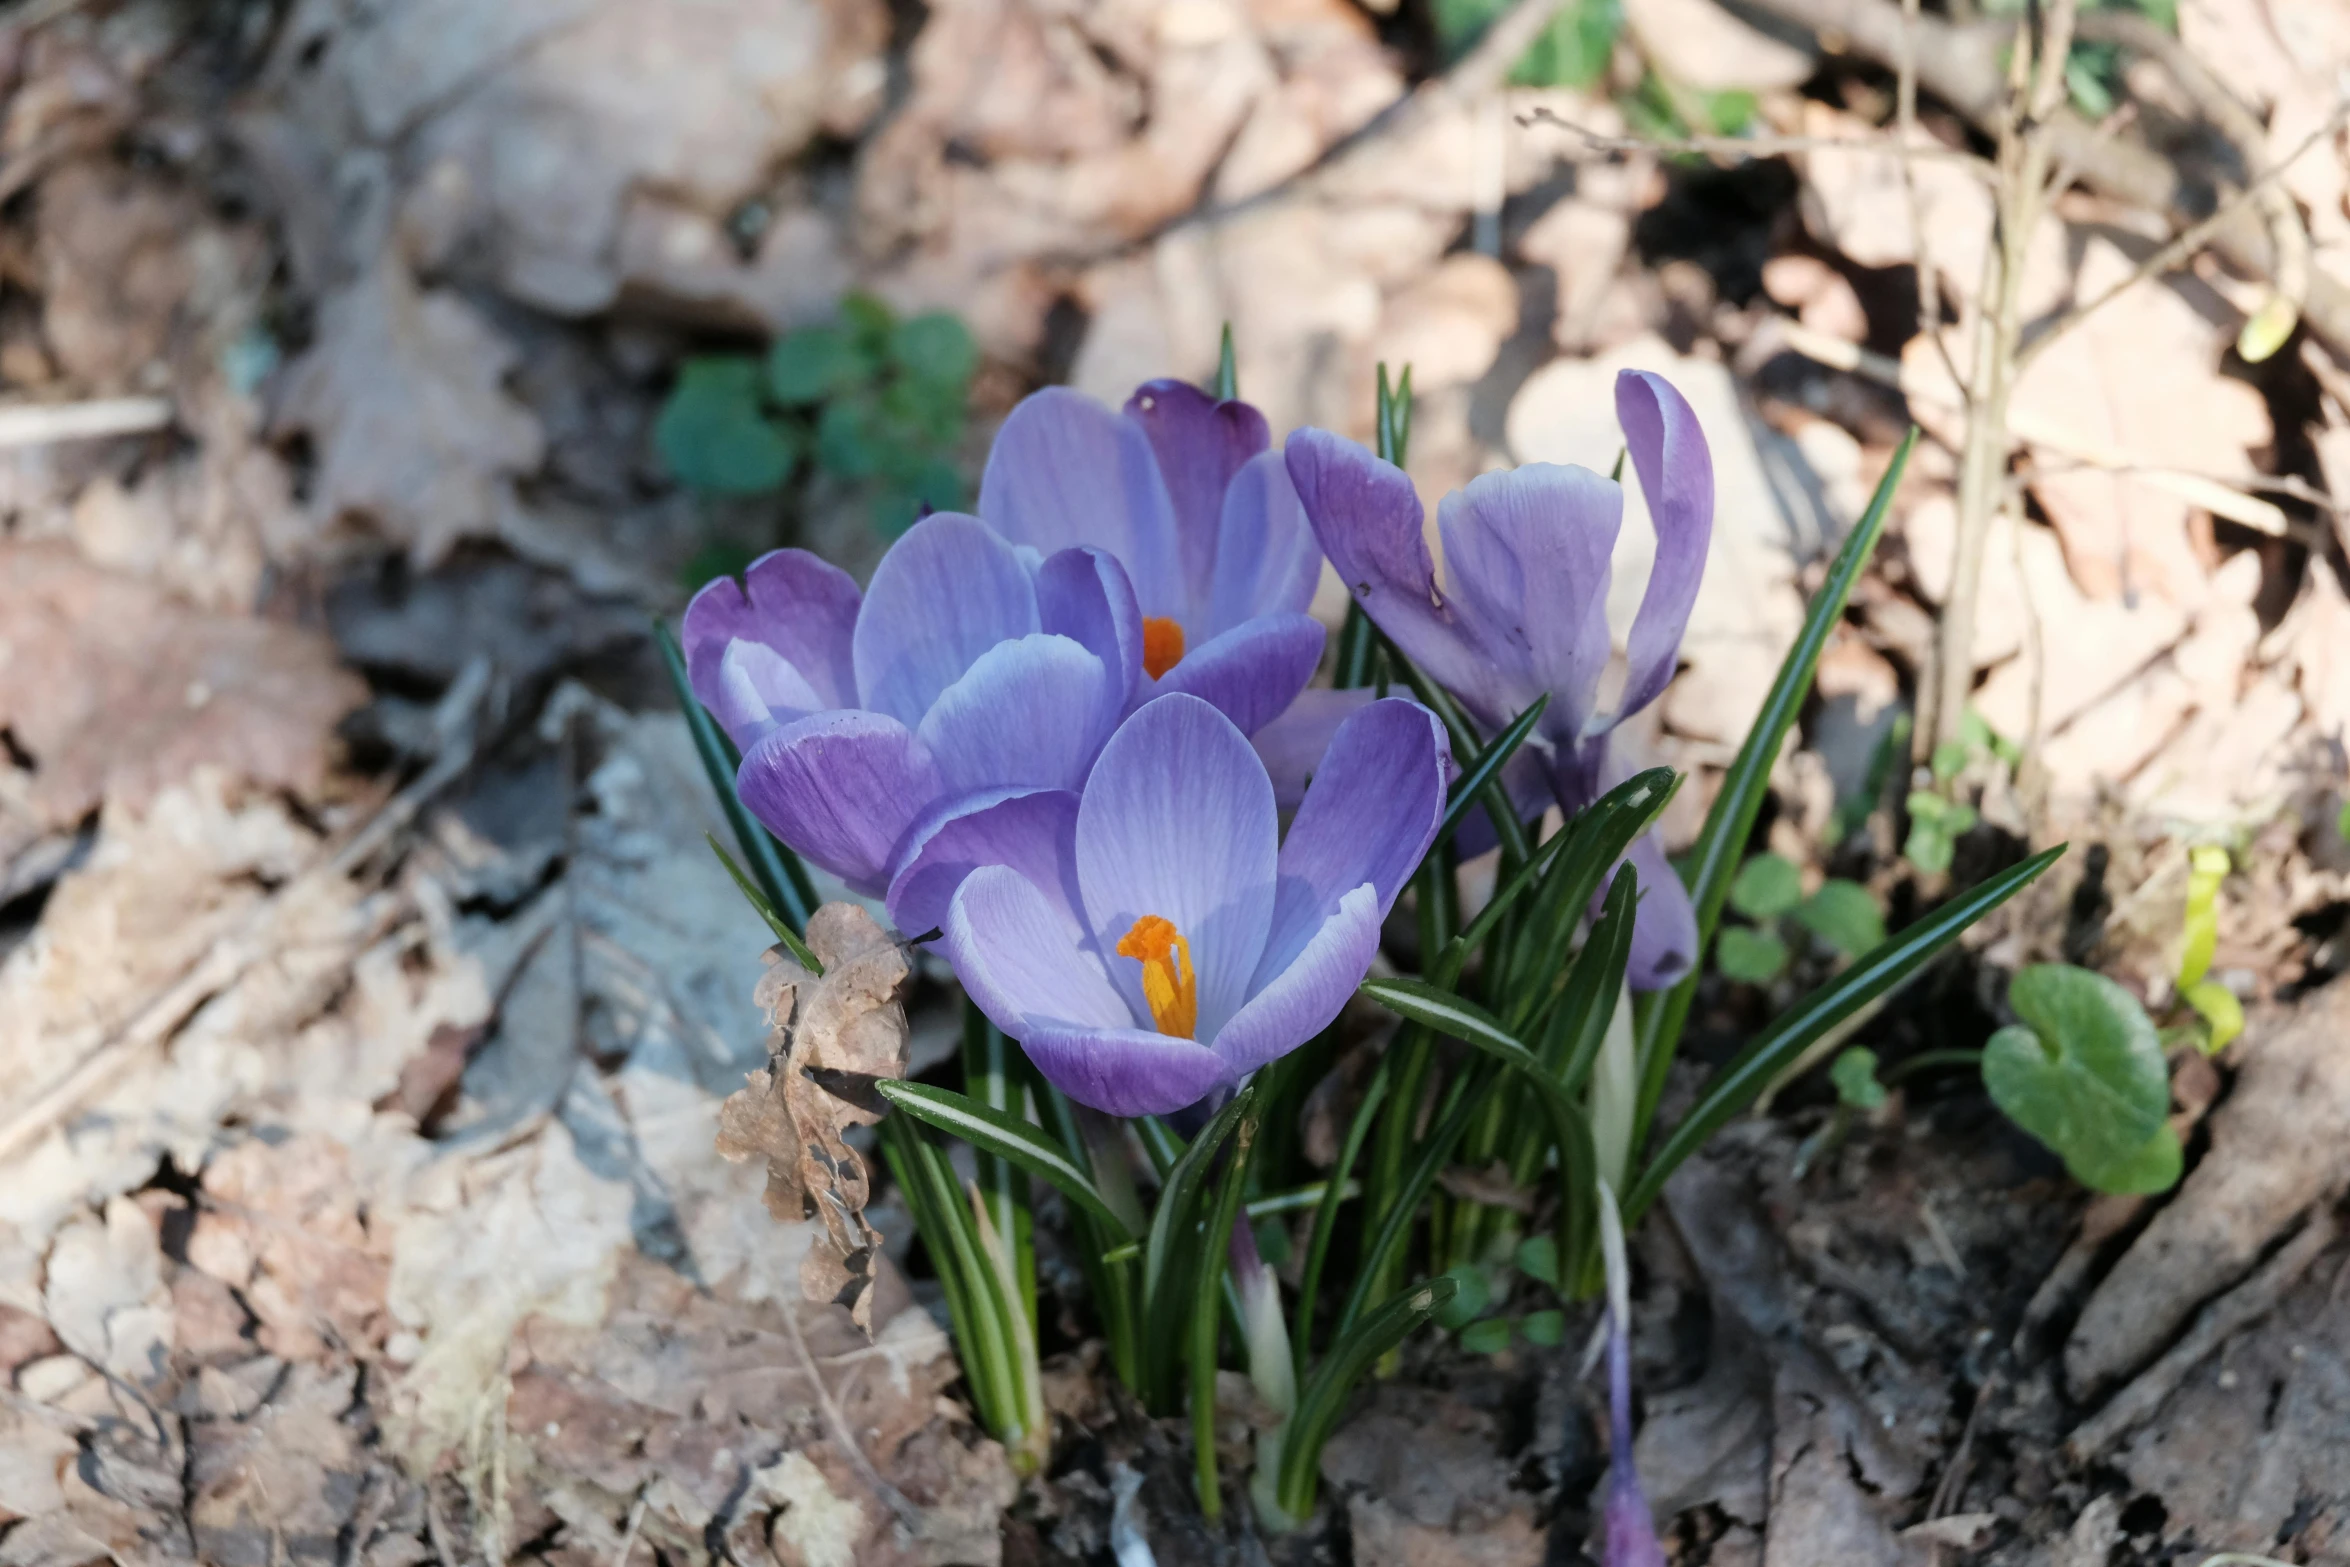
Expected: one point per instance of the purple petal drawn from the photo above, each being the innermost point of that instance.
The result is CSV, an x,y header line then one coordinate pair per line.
x,y
1664,924
1083,594
1201,444
1526,550
944,594
1370,815
1178,821
1031,713
1367,518
1125,1071
840,788
1298,1000
802,607
1292,746
1033,831
1253,672
1019,961
1267,562
1677,477
1066,471
756,690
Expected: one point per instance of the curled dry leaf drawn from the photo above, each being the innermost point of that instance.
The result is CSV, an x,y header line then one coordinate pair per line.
x,y
835,1034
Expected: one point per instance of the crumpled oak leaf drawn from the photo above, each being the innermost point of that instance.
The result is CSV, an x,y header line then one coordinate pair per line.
x,y
835,1035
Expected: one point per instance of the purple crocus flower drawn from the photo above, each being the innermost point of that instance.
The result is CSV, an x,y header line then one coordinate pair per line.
x,y
969,667
1186,494
1525,614
1153,939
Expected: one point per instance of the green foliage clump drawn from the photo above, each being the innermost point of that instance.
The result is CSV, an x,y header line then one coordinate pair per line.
x,y
1768,891
875,400
1572,51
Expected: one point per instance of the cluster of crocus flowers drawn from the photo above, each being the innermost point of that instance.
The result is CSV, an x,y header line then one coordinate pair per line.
x,y
1526,553
1032,732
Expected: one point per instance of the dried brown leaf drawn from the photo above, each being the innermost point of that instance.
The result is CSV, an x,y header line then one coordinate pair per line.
x,y
403,395
835,1035
118,690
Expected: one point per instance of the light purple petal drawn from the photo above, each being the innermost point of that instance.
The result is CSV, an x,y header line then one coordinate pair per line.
x,y
756,690
1178,821
944,594
1267,562
1125,1071
1299,999
1526,550
1066,471
1020,963
1201,444
1033,831
1292,746
1367,518
803,607
1664,925
1253,672
1083,594
840,788
1031,713
1677,477
1372,812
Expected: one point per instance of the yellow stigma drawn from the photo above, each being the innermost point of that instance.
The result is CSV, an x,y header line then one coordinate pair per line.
x,y
1162,648
1168,983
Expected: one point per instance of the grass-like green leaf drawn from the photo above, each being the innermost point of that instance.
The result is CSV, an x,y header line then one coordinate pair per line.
x,y
1489,764
1734,1087
1007,1137
775,868
1721,843
1323,1399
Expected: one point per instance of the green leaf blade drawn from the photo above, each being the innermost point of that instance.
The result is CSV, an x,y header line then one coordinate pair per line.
x,y
1007,1137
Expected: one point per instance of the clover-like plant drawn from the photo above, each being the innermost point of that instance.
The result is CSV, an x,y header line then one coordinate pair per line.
x,y
1768,891
873,400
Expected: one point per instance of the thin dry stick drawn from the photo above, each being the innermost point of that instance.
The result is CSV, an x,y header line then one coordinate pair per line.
x,y
1905,121
909,1516
2025,153
1746,147
2186,245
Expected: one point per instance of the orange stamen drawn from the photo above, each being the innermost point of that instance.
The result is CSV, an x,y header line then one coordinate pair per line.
x,y
1168,983
1162,645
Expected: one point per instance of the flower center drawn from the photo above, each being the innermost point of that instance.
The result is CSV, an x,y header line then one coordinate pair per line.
x,y
1168,983
1162,645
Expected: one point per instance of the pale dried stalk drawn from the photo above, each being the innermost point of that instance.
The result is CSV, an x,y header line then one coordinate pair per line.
x,y
2025,153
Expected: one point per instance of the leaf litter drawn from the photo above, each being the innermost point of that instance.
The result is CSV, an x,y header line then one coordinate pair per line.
x,y
363,1198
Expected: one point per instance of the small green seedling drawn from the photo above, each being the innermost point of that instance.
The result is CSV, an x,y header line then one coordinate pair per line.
x,y
2221,1014
2083,1072
872,400
1937,818
1768,891
1855,1076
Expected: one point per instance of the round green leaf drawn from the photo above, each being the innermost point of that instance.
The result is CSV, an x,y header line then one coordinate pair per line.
x,y
807,366
1544,1329
936,348
1472,1291
1843,915
1538,1258
712,434
1755,956
2084,1074
1489,1337
846,443
1855,1077
1767,886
